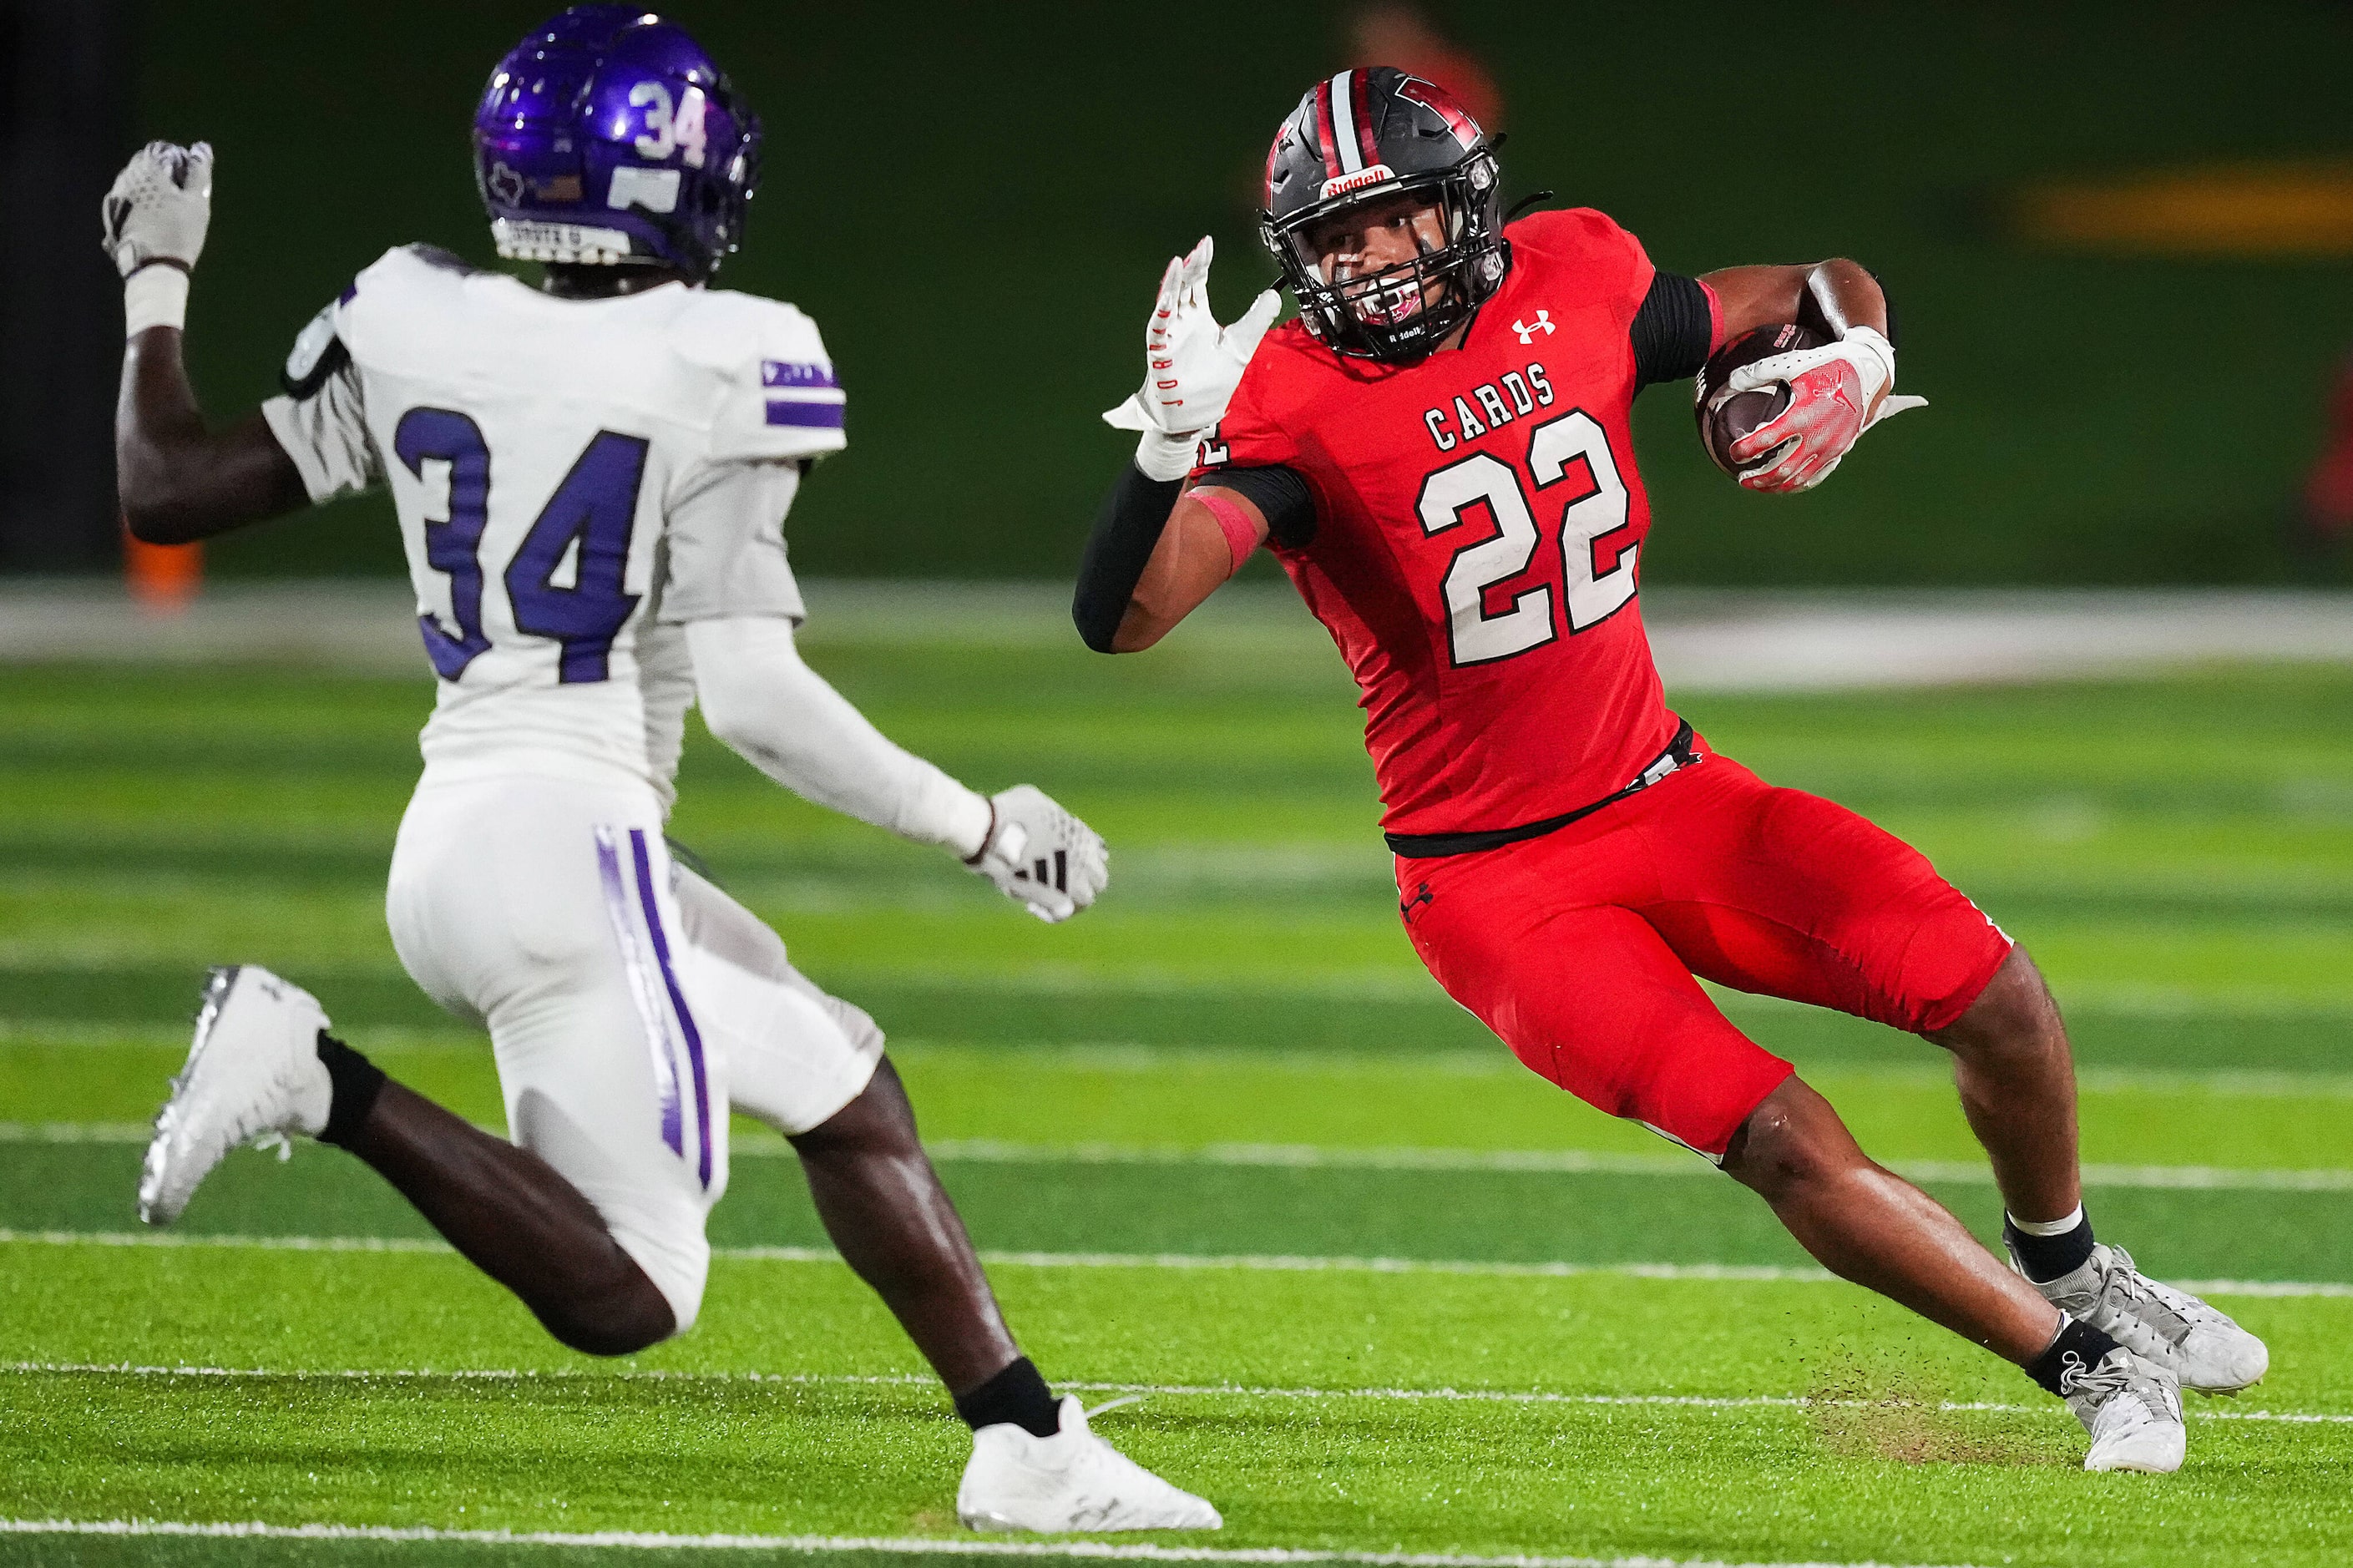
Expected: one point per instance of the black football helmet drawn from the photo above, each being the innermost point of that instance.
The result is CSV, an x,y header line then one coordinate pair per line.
x,y
1363,136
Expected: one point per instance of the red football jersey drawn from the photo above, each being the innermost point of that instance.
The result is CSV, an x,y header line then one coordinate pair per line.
x,y
1479,531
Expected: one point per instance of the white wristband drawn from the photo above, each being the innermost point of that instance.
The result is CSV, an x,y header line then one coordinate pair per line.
x,y
1160,455
1869,338
154,296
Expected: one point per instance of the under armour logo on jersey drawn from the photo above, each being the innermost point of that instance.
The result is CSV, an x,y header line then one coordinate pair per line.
x,y
1528,330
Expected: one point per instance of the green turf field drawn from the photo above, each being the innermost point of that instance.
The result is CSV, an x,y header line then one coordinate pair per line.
x,y
1382,1290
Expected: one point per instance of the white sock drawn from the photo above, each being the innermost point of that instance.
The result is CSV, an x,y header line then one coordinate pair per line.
x,y
2046,1227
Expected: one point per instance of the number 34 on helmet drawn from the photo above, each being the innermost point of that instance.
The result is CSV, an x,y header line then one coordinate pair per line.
x,y
609,137
1366,136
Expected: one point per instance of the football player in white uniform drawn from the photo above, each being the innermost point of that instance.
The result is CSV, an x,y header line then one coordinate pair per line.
x,y
590,479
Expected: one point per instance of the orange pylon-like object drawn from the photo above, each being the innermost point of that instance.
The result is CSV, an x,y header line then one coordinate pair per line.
x,y
162,576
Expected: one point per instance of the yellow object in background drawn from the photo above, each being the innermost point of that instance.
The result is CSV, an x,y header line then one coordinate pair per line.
x,y
2299,209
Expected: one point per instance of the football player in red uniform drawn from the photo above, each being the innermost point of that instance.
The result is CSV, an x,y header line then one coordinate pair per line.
x,y
1438,449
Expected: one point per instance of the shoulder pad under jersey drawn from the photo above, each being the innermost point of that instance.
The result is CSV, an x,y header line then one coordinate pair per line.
x,y
440,260
776,395
1589,245
1560,230
319,349
402,277
317,354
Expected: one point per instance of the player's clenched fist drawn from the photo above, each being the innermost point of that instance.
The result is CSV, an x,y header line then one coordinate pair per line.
x,y
1836,392
1191,365
160,206
1041,857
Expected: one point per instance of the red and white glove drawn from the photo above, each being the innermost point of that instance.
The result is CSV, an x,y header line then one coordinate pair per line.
x,y
1191,365
1836,392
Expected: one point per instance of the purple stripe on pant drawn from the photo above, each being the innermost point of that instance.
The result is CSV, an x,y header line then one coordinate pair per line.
x,y
676,1001
617,906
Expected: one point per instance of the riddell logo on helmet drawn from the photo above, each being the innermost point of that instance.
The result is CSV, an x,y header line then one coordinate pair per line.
x,y
1342,183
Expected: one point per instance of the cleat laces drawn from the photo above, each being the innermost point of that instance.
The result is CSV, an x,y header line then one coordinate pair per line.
x,y
2170,1314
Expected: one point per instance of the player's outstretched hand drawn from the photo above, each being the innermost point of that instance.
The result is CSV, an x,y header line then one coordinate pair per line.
x,y
160,206
1041,857
1836,392
1191,364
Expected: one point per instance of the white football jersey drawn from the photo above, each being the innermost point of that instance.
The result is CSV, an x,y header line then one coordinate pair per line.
x,y
576,481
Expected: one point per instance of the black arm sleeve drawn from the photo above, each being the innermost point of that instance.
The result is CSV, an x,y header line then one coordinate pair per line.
x,y
1673,330
1126,529
1280,494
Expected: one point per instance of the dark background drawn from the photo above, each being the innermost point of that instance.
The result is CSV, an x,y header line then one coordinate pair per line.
x,y
974,204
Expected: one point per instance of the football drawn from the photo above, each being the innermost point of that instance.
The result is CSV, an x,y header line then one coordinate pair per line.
x,y
1724,420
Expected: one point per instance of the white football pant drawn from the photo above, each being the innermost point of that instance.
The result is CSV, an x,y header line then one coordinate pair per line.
x,y
629,1002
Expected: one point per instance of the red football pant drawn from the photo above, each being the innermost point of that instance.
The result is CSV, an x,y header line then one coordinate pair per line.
x,y
1580,947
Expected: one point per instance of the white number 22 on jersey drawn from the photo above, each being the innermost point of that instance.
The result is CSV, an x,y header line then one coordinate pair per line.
x,y
1594,592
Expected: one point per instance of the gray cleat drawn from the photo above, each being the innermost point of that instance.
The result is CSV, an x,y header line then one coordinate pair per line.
x,y
2132,1411
2202,1348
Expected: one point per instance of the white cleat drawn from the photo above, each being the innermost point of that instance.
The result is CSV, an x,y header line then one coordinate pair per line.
x,y
2132,1411
253,1072
2201,1347
1073,1481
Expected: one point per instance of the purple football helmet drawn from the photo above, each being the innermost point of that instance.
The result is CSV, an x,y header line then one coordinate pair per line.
x,y
609,136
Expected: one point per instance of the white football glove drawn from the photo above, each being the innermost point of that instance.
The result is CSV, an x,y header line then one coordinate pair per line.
x,y
1040,856
1191,365
1834,396
160,206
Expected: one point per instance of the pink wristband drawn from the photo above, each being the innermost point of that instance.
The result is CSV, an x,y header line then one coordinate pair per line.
x,y
1240,537
1714,317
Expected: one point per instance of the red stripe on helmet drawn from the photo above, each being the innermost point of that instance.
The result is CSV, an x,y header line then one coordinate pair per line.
x,y
1325,142
1441,102
1360,94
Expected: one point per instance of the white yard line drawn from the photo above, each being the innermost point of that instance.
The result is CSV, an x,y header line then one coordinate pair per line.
x,y
1163,1390
897,1546
1386,984
1128,1058
1540,1162
1575,1161
260,1243
1267,1263
1723,640
1274,1263
75,1132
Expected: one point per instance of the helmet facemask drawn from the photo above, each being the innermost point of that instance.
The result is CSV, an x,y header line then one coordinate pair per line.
x,y
1405,311
1377,134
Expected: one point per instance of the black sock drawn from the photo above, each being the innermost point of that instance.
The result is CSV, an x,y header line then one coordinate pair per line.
x,y
1017,1394
2046,1257
2078,1349
357,1082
